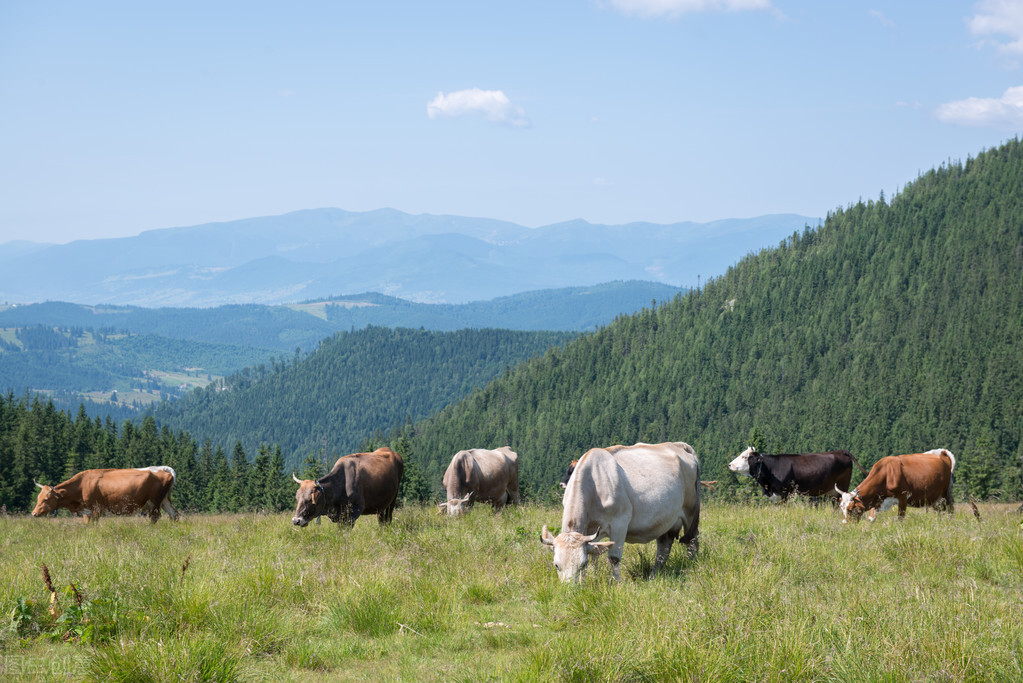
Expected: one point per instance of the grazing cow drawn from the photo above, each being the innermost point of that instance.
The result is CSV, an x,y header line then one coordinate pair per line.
x,y
785,474
121,492
916,479
631,494
571,468
479,475
359,484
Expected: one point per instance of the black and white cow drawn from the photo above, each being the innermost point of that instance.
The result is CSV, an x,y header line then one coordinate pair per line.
x,y
784,474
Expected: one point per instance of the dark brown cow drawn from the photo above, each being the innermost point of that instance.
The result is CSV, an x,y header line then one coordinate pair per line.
x,y
916,479
121,492
359,484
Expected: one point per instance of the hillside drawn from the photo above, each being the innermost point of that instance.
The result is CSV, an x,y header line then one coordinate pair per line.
x,y
355,384
895,327
323,253
72,365
303,325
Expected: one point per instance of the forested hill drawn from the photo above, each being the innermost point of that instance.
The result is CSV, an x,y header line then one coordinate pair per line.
x,y
354,385
894,327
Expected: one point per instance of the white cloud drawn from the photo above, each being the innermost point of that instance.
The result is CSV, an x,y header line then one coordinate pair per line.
x,y
1005,111
879,15
1000,18
672,8
493,105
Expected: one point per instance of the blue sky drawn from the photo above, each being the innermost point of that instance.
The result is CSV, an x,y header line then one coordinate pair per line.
x,y
120,117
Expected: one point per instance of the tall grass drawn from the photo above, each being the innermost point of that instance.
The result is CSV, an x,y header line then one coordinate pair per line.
x,y
775,594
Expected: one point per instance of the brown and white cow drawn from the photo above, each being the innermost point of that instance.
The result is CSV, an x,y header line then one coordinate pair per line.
x,y
630,494
479,475
359,484
914,479
120,492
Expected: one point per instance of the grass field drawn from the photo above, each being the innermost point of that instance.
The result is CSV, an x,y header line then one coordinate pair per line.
x,y
775,594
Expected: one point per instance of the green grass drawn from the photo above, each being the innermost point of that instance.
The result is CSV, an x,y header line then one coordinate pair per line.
x,y
775,594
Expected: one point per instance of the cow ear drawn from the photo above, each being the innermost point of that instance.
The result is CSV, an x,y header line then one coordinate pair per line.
x,y
598,547
441,507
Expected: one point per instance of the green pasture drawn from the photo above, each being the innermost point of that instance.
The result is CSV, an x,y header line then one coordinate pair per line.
x,y
776,593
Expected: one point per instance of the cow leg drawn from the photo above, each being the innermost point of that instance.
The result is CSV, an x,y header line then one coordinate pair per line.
x,y
691,537
353,513
169,509
664,543
615,561
902,507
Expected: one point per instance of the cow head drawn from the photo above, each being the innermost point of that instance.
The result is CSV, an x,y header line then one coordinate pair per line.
x,y
742,463
310,501
456,506
851,505
48,500
572,552
568,474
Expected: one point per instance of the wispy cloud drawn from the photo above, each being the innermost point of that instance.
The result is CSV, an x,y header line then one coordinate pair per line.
x,y
879,15
1002,19
493,105
672,8
1005,111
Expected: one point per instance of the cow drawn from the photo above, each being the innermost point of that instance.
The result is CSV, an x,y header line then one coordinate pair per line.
x,y
630,494
359,484
118,491
917,479
571,468
479,475
784,474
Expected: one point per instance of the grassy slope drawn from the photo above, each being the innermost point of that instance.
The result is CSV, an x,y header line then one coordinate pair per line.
x,y
776,593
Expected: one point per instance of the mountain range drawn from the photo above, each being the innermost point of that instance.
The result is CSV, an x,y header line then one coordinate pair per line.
x,y
321,253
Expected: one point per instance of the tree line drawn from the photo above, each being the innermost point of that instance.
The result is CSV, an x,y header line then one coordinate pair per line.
x,y
41,443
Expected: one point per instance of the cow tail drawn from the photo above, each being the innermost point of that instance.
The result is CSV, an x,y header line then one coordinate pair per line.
x,y
858,465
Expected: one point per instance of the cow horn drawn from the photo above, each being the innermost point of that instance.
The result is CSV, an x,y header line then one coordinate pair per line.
x,y
840,491
38,484
297,480
587,539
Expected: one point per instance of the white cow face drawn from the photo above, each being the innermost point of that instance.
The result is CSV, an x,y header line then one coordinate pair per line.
x,y
741,463
572,552
850,504
455,506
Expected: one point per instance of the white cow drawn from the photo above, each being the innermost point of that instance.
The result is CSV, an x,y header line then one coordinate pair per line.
x,y
479,475
632,494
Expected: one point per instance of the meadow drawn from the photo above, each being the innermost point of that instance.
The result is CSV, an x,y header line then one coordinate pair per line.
x,y
776,593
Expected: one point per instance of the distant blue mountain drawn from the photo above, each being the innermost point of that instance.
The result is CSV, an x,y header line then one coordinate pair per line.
x,y
329,252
